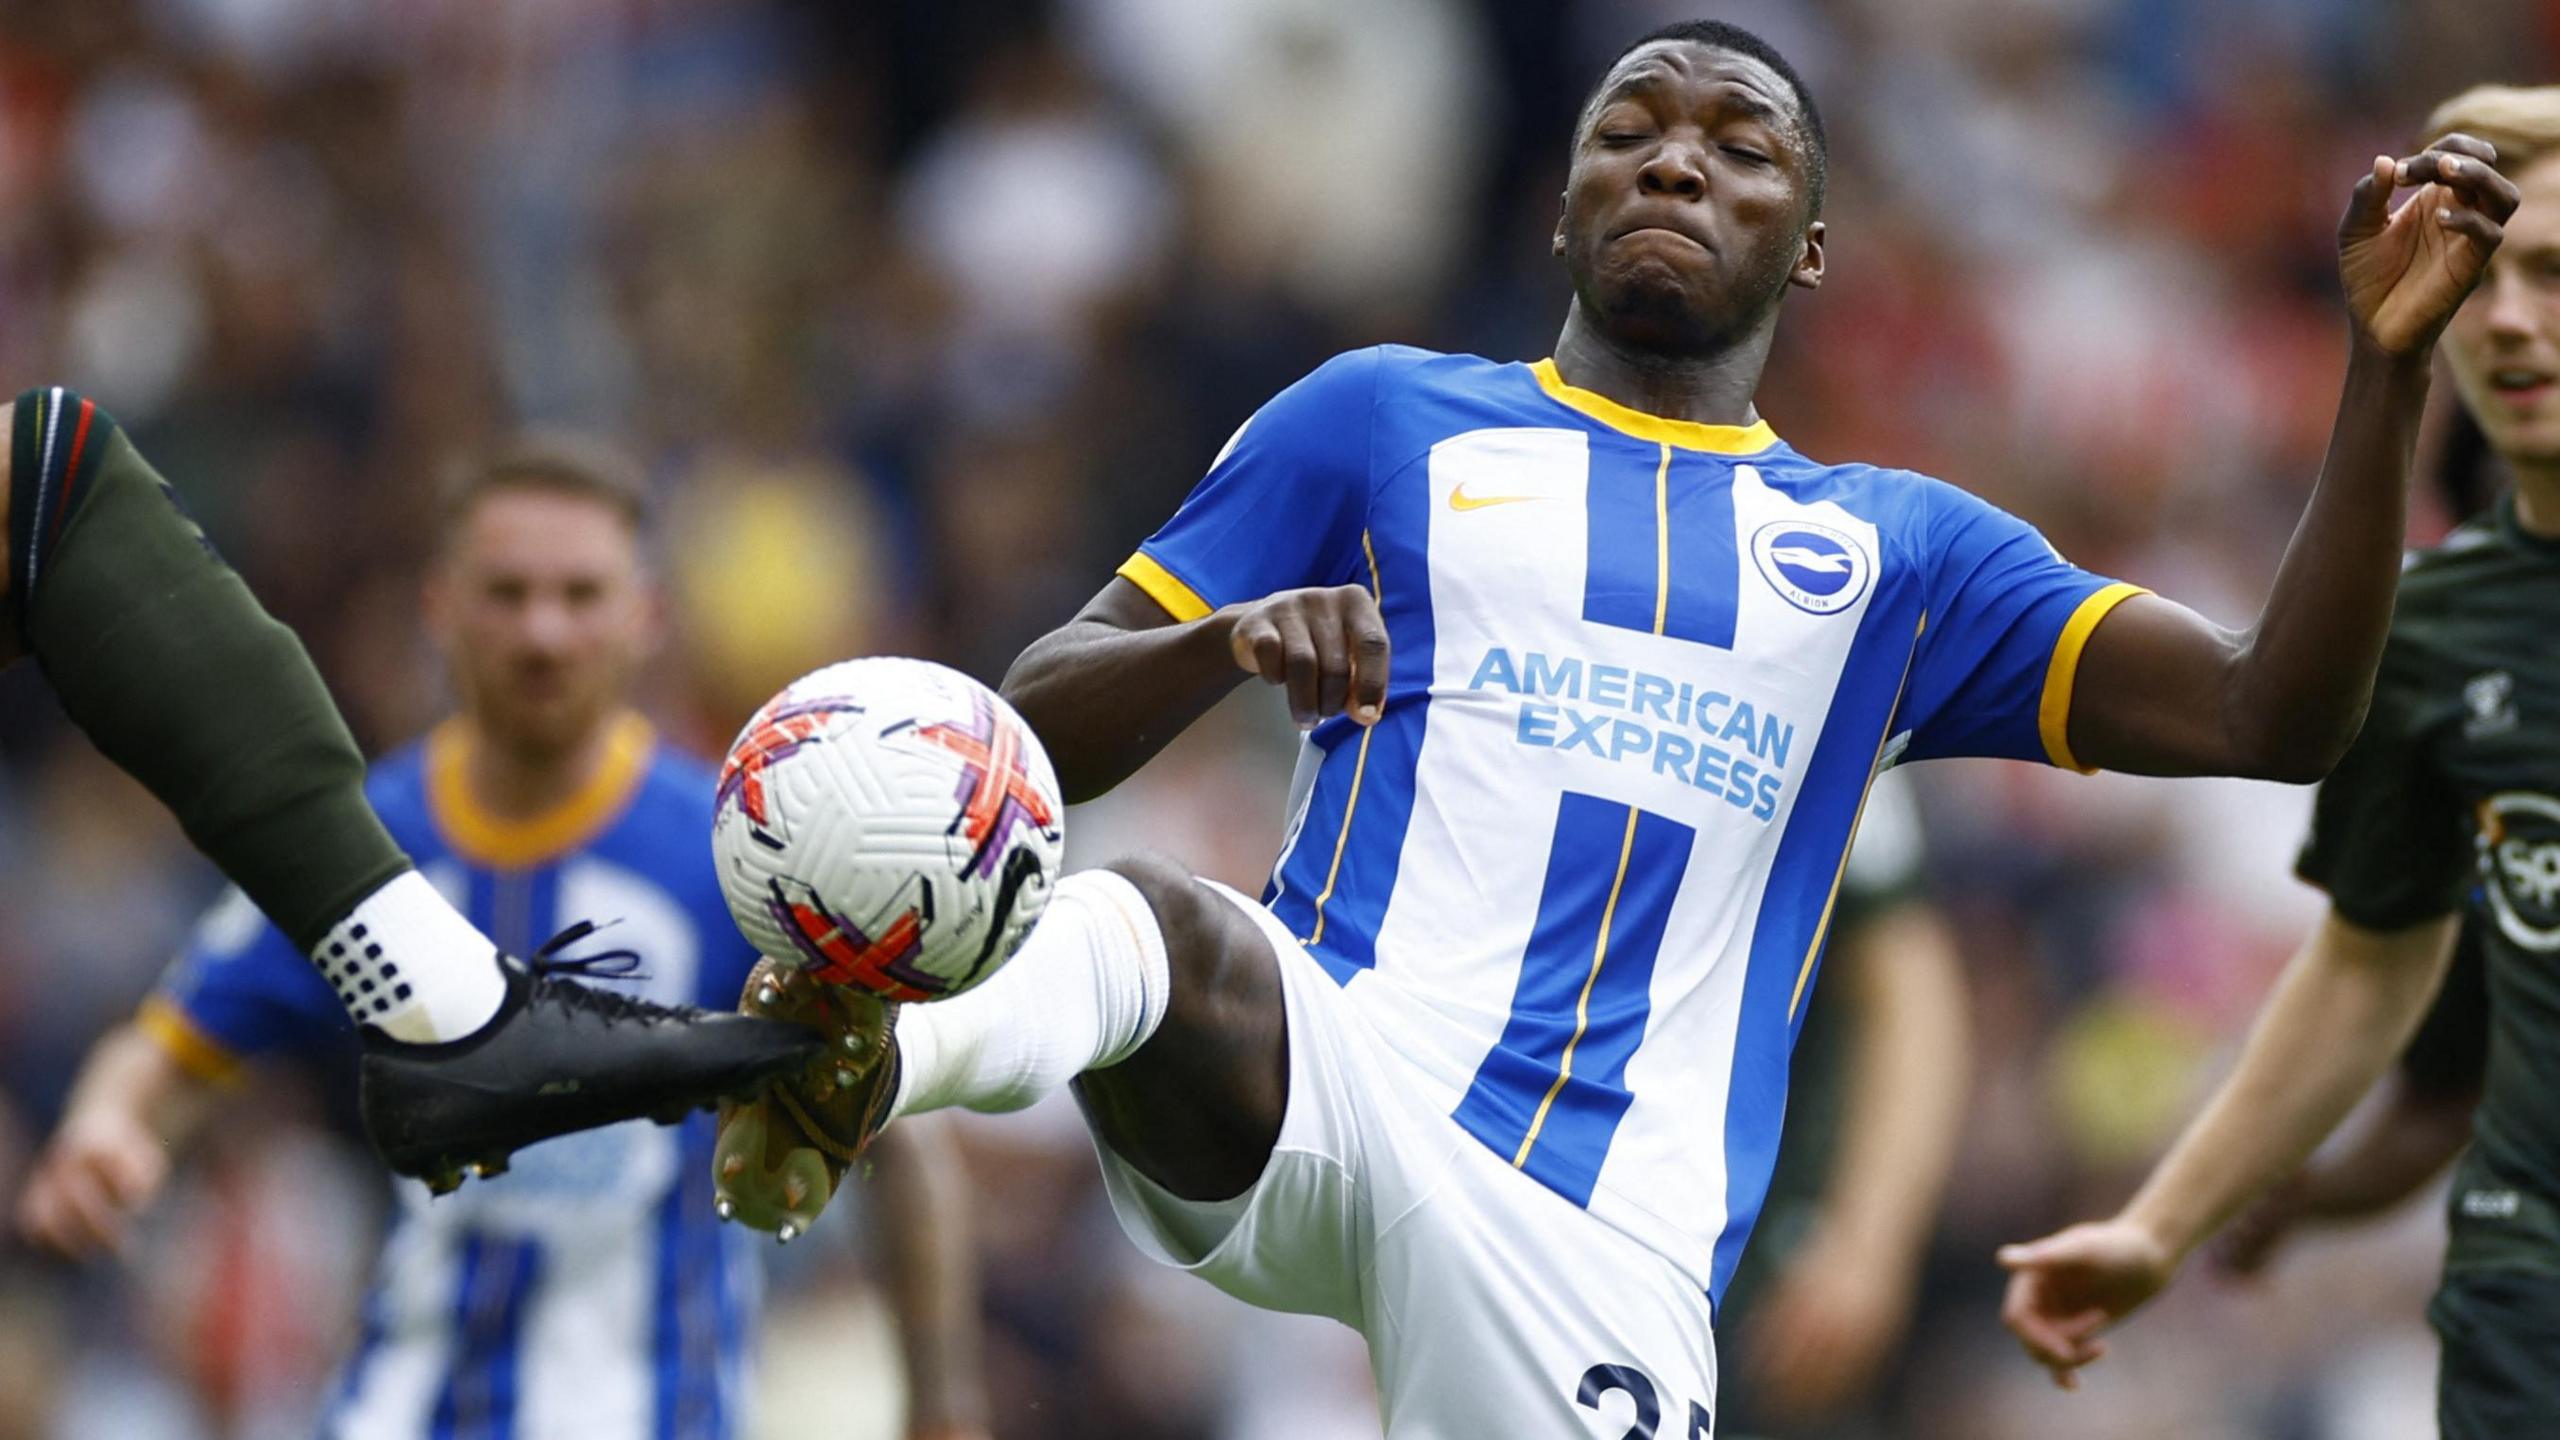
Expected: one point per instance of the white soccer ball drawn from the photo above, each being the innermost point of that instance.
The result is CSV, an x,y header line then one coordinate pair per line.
x,y
891,825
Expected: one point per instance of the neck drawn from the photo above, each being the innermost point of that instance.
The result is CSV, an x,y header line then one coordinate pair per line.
x,y
2538,499
1712,389
517,782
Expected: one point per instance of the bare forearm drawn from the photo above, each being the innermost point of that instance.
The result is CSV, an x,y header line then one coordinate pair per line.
x,y
2344,1008
2409,1141
1907,1084
1104,699
2301,680
933,1277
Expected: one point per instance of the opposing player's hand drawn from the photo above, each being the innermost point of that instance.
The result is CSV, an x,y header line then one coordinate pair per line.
x,y
92,1179
1834,1316
2068,1286
2408,270
1327,646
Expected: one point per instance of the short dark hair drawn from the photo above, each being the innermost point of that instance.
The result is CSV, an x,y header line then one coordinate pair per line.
x,y
1718,35
554,461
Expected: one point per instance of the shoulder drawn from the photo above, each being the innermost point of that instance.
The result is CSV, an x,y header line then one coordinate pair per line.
x,y
1905,506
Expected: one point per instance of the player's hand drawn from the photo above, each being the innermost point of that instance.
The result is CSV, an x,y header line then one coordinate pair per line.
x,y
2068,1286
97,1173
1326,645
2245,1246
1834,1316
2407,271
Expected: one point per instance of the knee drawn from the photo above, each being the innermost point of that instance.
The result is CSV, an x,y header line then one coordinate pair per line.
x,y
1180,904
1204,936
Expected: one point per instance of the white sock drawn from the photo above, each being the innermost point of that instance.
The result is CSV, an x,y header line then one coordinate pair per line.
x,y
405,962
1085,991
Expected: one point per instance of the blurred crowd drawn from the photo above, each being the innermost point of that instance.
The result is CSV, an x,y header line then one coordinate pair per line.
x,y
922,312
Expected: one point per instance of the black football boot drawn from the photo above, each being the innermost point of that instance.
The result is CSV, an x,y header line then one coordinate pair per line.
x,y
561,1056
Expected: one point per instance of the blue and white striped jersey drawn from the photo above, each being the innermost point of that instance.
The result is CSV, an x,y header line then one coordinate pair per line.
x,y
588,1293
1643,673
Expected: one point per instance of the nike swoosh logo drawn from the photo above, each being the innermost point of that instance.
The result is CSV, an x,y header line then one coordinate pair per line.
x,y
1459,499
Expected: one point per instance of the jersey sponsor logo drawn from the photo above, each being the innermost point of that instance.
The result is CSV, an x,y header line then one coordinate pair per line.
x,y
2490,700
1459,499
1815,568
2520,865
2491,1204
1707,739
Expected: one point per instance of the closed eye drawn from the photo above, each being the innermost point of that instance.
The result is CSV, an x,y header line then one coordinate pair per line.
x,y
1747,155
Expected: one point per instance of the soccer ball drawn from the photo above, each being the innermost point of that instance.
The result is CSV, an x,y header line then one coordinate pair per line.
x,y
890,825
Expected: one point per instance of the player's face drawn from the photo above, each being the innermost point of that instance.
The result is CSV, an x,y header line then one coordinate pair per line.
x,y
2504,344
545,615
1686,208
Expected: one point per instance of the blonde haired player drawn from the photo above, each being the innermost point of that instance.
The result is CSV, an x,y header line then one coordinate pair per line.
x,y
2454,784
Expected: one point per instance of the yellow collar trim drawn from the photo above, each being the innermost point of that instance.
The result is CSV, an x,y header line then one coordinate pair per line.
x,y
1688,434
483,838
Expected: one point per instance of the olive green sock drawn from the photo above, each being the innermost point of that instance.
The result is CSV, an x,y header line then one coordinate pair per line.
x,y
170,666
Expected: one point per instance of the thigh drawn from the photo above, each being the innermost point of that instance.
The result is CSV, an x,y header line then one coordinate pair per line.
x,y
1197,1108
1501,1308
1298,1236
2500,1375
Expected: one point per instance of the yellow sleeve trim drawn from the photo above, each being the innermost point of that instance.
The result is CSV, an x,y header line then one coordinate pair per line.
x,y
197,1053
1179,600
2053,716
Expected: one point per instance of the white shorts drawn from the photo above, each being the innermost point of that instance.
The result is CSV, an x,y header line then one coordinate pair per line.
x,y
1493,1306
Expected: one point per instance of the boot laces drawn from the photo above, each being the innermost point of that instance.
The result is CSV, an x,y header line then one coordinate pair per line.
x,y
557,977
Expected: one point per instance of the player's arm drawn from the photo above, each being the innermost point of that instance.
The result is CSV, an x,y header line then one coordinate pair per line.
x,y
933,1279
1845,1294
2162,691
2344,1007
1118,682
135,1107
1264,571
2415,1128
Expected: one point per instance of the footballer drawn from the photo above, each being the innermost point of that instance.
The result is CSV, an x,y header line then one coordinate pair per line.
x,y
1597,670
2445,814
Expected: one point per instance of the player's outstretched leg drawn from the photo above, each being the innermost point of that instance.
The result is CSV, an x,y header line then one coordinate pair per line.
x,y
163,658
1155,997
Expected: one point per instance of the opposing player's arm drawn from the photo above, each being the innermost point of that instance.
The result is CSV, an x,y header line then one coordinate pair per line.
x,y
2162,691
1115,684
2419,1124
135,1107
2345,1006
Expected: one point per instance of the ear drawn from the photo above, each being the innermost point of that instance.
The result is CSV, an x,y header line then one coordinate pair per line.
x,y
1555,243
1808,271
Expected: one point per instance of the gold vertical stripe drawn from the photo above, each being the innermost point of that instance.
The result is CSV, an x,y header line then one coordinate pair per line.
x,y
1822,927
1359,772
1662,539
1582,1006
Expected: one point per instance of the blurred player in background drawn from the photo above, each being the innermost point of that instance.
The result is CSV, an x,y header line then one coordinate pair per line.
x,y
589,1292
164,660
2446,814
1598,672
1875,1109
